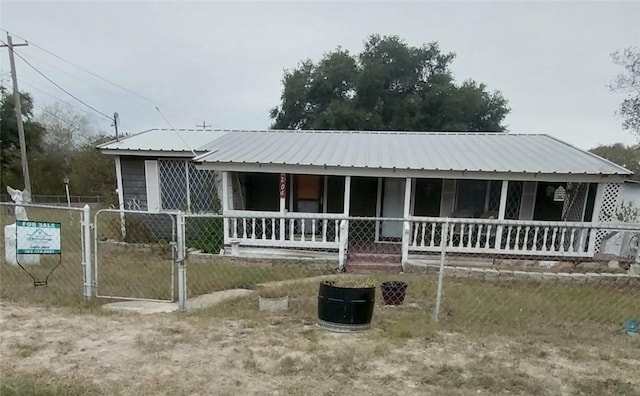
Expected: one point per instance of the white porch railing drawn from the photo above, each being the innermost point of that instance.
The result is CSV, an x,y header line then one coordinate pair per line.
x,y
516,237
275,229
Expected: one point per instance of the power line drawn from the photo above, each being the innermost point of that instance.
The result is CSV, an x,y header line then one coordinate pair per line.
x,y
62,89
33,87
156,104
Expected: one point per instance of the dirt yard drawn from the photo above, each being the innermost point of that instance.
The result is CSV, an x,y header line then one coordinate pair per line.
x,y
62,351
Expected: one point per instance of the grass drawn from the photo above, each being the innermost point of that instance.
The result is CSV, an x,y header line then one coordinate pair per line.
x,y
518,308
521,309
44,383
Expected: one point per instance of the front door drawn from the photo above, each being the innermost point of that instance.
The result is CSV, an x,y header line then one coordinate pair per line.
x,y
392,206
308,194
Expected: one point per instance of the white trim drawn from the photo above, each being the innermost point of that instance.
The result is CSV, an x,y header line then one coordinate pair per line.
x,y
123,226
404,173
528,215
347,195
155,153
407,197
597,205
504,190
152,184
119,183
225,206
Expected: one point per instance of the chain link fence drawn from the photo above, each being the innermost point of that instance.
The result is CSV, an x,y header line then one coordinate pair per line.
x,y
551,278
538,278
135,255
64,273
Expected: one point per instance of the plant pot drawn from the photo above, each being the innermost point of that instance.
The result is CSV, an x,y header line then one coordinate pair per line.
x,y
393,292
277,304
345,309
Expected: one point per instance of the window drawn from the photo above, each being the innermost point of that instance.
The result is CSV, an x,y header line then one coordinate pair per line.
x,y
183,187
471,198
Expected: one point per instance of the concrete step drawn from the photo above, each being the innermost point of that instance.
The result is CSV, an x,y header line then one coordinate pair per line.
x,y
374,258
364,267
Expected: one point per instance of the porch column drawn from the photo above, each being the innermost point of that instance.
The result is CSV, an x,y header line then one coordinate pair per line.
x,y
343,230
501,212
225,205
406,227
120,191
595,218
283,203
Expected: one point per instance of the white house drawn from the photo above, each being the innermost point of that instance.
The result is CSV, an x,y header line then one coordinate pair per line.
x,y
497,192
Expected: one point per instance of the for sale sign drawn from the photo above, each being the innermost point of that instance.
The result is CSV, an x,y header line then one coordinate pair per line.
x,y
37,237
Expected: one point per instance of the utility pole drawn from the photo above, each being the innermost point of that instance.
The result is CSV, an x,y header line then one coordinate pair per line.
x,y
204,125
116,117
18,108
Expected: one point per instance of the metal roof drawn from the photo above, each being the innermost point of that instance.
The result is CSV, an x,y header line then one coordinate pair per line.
x,y
165,140
435,151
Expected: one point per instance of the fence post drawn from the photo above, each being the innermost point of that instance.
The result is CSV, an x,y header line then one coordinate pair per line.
x,y
443,256
86,248
406,236
182,269
342,244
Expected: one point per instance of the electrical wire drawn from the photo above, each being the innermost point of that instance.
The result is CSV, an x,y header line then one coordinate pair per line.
x,y
156,104
57,99
60,87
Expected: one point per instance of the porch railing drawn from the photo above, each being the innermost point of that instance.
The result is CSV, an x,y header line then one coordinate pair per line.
x,y
516,237
275,229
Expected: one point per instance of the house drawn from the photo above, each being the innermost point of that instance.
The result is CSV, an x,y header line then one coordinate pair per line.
x,y
155,173
397,193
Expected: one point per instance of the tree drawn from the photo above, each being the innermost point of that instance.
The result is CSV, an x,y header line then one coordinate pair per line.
x,y
10,164
627,156
93,173
388,86
629,83
66,132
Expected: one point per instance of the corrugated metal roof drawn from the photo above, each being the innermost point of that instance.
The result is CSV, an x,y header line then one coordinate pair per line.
x,y
167,140
483,152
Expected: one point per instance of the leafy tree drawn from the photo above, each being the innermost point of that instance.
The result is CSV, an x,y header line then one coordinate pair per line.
x,y
629,83
66,132
388,86
93,173
10,164
627,156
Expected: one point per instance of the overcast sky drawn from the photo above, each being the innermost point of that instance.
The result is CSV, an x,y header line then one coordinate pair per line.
x,y
223,62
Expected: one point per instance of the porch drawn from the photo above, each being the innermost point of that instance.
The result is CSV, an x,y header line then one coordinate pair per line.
x,y
401,219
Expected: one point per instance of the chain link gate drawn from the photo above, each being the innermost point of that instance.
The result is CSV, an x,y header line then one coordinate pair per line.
x,y
135,255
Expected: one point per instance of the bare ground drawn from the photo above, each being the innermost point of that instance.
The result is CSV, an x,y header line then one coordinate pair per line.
x,y
94,353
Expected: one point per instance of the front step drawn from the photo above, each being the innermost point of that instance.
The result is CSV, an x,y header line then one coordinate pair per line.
x,y
369,263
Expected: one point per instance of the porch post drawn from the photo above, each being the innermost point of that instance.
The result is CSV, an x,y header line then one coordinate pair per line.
x,y
225,205
406,228
283,203
123,228
344,225
501,212
595,218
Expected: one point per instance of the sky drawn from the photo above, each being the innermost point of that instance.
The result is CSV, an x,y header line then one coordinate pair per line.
x,y
222,62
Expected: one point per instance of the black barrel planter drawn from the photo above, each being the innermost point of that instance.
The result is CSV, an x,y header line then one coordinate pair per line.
x,y
393,292
345,309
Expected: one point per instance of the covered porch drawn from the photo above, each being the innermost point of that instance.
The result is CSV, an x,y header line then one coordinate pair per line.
x,y
391,216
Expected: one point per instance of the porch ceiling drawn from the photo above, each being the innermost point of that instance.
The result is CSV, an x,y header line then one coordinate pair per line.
x,y
403,153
